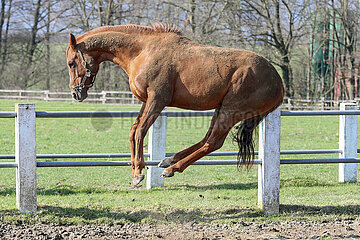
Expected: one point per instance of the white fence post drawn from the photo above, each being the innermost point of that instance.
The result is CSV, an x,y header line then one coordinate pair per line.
x,y
157,150
46,93
25,157
103,99
132,99
348,143
269,170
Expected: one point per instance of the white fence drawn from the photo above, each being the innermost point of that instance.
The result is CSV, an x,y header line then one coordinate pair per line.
x,y
269,151
126,97
315,104
119,97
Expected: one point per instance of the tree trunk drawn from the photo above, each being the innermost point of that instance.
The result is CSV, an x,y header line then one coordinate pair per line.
x,y
34,30
32,44
100,13
2,19
192,15
109,12
48,53
286,76
5,40
309,70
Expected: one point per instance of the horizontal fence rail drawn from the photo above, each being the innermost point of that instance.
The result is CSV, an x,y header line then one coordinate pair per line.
x,y
119,97
102,114
269,143
319,113
200,162
128,155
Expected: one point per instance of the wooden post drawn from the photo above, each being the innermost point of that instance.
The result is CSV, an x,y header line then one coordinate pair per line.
x,y
25,157
269,170
157,150
348,143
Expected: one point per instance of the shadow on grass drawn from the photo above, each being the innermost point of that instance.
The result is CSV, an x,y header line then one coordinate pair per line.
x,y
64,190
88,215
224,186
320,210
291,182
61,190
305,182
7,191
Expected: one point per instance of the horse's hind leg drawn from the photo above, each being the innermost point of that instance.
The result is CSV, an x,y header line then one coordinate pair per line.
x,y
167,162
222,125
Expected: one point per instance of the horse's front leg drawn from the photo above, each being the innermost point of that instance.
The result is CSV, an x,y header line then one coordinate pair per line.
x,y
132,138
151,111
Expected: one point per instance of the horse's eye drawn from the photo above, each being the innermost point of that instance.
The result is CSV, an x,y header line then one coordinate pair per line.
x,y
72,64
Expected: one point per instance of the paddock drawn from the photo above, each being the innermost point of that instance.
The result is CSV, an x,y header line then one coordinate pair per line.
x,y
269,149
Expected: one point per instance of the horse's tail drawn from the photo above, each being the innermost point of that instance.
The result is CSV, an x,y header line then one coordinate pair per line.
x,y
244,138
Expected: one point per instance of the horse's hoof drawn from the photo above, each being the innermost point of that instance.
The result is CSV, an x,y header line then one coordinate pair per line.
x,y
166,174
166,162
136,180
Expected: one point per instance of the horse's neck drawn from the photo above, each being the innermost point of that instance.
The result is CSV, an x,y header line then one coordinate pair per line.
x,y
119,48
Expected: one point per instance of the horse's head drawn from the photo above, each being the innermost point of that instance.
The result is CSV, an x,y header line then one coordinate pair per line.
x,y
82,70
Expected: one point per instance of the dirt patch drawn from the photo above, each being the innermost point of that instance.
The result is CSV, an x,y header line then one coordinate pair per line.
x,y
337,229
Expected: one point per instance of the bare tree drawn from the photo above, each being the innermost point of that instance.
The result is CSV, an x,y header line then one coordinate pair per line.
x,y
4,40
278,23
345,21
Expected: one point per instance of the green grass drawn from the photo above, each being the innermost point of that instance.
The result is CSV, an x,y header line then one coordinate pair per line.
x,y
201,193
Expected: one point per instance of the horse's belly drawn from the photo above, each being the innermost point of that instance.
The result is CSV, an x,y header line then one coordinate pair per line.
x,y
198,100
201,86
193,105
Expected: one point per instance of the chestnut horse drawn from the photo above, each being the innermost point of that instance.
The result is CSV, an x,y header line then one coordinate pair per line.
x,y
167,69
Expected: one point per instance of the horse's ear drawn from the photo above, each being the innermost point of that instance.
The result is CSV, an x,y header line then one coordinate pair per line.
x,y
72,40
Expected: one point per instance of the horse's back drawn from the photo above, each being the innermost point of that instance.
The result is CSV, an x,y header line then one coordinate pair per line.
x,y
207,74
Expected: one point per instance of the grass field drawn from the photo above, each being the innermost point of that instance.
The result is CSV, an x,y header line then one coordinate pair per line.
x,y
202,193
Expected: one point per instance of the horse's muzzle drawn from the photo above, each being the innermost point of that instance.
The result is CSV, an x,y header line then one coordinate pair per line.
x,y
80,94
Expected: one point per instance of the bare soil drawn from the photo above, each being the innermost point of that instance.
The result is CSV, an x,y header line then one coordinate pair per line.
x,y
335,229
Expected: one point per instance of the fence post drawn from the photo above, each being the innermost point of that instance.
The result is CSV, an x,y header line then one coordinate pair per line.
x,y
322,99
269,169
157,150
132,99
103,94
46,93
25,157
348,143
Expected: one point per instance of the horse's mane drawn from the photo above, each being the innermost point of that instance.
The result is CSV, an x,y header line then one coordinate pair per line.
x,y
133,28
